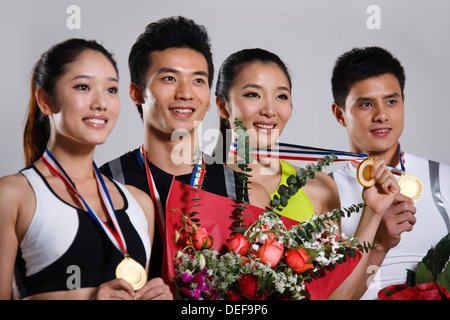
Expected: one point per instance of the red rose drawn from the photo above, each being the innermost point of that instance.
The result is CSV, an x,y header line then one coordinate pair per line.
x,y
238,244
296,260
199,238
271,235
271,251
248,284
233,295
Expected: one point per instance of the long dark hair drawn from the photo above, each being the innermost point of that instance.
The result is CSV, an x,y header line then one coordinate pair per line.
x,y
229,71
47,70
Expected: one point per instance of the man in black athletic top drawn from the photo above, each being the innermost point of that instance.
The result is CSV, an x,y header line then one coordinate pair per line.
x,y
171,75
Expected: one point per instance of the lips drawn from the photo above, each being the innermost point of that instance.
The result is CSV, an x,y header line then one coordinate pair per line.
x,y
96,121
381,132
265,125
182,112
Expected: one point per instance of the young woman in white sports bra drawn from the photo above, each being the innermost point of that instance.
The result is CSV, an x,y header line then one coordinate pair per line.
x,y
66,232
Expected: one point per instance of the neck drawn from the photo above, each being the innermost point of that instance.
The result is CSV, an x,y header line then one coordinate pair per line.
x,y
77,161
259,166
173,154
391,156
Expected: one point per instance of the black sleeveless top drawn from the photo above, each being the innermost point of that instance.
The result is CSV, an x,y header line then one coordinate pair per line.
x,y
129,169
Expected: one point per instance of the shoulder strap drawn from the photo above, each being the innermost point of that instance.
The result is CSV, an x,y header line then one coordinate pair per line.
x,y
436,192
116,170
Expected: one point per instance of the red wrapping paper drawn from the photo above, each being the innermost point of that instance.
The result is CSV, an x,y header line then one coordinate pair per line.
x,y
216,216
322,288
424,291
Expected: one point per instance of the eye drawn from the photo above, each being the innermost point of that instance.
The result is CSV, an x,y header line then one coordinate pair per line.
x,y
283,97
366,104
199,81
251,95
169,78
82,87
113,90
391,102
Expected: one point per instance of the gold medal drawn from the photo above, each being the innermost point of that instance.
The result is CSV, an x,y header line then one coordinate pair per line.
x,y
132,272
410,186
364,172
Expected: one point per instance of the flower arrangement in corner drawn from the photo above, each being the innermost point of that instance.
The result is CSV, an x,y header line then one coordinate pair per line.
x,y
430,281
265,260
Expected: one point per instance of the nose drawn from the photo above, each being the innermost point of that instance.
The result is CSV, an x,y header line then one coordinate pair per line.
x,y
381,114
99,101
184,90
268,109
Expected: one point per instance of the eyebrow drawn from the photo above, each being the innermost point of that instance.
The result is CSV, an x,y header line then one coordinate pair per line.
x,y
87,76
171,70
256,86
389,96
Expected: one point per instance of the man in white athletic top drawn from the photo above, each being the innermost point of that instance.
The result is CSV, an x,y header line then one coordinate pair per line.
x,y
367,85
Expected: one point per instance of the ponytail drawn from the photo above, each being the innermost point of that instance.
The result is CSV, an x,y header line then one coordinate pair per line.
x,y
37,127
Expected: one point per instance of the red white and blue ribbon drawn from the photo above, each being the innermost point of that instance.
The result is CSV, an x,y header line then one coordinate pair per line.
x,y
197,177
115,235
287,151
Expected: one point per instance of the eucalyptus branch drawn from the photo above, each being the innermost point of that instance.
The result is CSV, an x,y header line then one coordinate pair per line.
x,y
244,158
295,182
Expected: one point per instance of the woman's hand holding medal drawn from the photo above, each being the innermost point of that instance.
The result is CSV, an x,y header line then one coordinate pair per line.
x,y
119,289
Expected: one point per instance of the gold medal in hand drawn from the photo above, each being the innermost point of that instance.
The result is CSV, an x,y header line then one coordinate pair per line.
x,y
132,272
364,172
410,186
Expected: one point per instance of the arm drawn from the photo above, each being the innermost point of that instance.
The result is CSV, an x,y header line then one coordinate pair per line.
x,y
398,218
378,198
11,191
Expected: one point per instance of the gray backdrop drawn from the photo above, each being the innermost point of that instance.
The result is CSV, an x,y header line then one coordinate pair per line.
x,y
307,34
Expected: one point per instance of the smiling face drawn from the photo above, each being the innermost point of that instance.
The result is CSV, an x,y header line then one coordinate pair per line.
x,y
177,92
374,116
85,106
260,97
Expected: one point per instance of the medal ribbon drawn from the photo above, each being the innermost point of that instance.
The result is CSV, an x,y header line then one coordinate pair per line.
x,y
197,177
287,151
394,170
115,235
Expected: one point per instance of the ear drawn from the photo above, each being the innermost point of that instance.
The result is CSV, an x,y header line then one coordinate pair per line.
x,y
136,94
43,101
222,107
338,114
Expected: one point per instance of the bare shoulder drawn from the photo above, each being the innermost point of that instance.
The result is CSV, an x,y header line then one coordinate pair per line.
x,y
17,203
258,196
142,198
14,188
322,192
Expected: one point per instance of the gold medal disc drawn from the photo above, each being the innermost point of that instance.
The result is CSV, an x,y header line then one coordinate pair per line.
x,y
364,173
410,186
132,272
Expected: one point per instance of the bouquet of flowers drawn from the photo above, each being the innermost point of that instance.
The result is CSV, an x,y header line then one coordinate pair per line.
x,y
267,259
430,281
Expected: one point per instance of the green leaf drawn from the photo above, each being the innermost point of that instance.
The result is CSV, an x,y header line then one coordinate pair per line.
x,y
438,256
388,292
423,274
283,201
443,278
410,278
